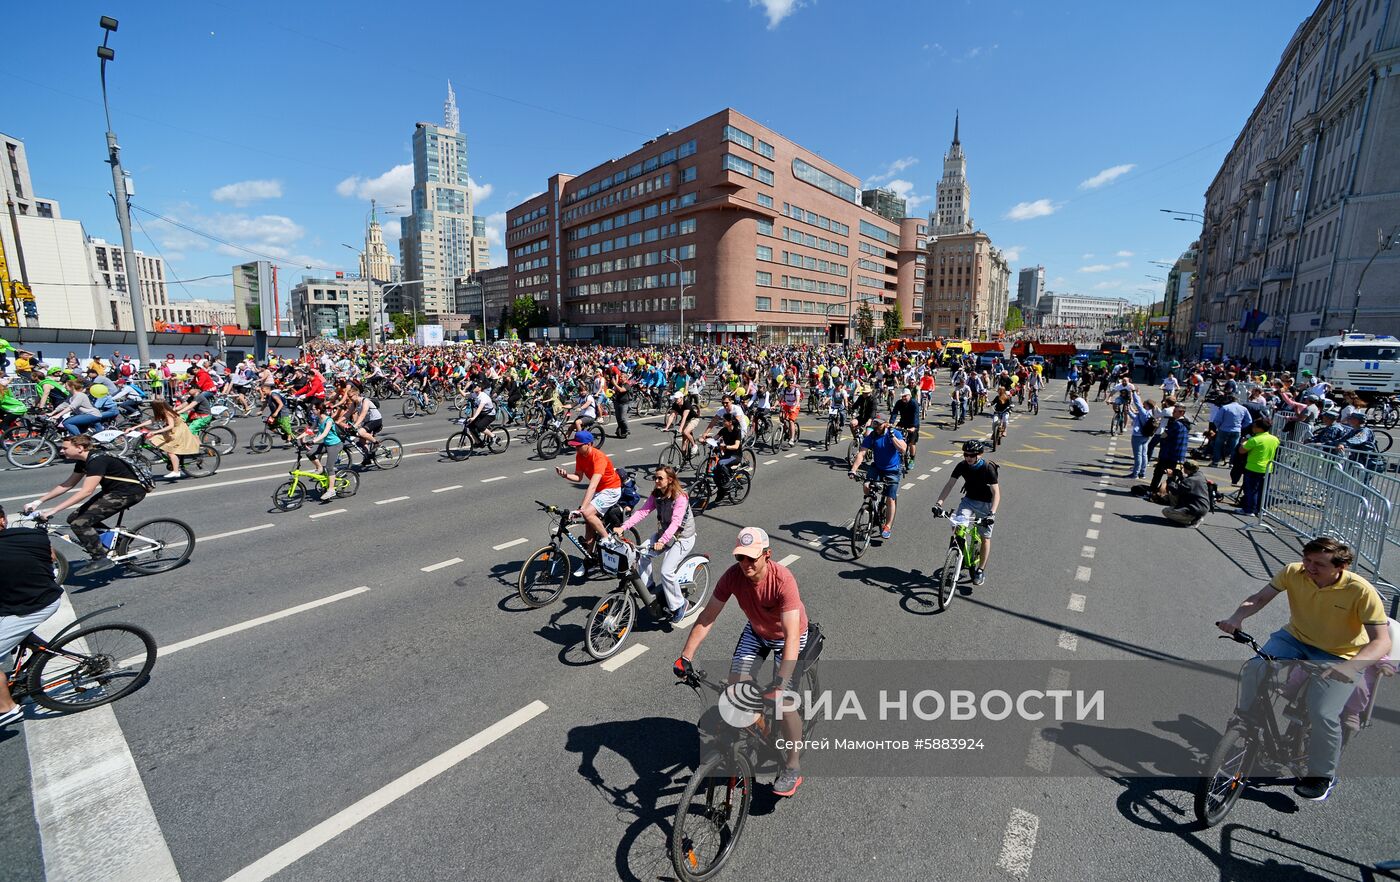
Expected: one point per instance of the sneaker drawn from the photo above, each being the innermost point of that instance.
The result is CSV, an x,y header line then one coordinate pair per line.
x,y
1315,789
884,534
328,495
679,615
581,571
787,782
14,715
978,576
93,565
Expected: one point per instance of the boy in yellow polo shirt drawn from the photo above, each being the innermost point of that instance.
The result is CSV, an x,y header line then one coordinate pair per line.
x,y
1335,617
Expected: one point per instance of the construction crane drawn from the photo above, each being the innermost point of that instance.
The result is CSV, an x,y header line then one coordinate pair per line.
x,y
15,296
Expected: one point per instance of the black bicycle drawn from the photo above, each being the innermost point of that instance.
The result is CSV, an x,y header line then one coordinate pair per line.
x,y
1273,734
79,668
715,803
834,419
874,506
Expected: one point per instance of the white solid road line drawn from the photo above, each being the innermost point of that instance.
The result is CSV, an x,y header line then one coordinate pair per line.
x,y
173,648
389,500
301,846
1082,574
532,471
623,657
1076,602
448,487
437,566
87,790
326,514
490,480
1068,641
1018,843
235,532
789,560
511,544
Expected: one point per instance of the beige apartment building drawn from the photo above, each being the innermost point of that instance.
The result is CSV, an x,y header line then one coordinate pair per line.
x,y
759,237
1308,194
969,281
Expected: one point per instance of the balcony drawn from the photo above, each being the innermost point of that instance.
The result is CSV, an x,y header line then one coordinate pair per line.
x,y
1279,273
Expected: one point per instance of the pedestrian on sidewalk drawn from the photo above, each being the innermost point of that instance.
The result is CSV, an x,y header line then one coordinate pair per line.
x,y
1259,449
1230,420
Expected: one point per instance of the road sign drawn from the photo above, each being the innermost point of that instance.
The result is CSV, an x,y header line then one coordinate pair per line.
x,y
1200,333
1202,326
709,328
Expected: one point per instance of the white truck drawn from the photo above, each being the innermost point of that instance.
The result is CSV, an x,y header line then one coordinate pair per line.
x,y
1355,362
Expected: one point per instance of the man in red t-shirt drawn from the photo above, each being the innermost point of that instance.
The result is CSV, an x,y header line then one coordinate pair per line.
x,y
777,622
592,467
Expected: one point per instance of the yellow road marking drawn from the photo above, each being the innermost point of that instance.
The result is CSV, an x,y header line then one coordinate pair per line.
x,y
1044,435
1002,462
1029,449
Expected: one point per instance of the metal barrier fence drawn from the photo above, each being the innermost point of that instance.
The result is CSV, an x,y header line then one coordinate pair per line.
x,y
25,391
1312,493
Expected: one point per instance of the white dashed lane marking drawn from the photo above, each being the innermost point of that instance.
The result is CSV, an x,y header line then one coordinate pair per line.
x,y
1098,505
489,480
633,449
1076,602
1068,641
532,471
789,456
1091,534
326,514
769,461
512,543
789,560
1087,551
1082,574
389,500
235,532
661,443
1096,519
448,487
623,657
946,461
1018,843
923,477
437,566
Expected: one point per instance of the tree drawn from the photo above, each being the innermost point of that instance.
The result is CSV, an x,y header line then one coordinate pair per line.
x,y
865,323
524,313
1014,321
894,323
356,331
403,324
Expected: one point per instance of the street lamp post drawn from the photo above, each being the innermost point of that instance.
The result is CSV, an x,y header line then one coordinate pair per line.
x,y
1384,243
119,195
680,280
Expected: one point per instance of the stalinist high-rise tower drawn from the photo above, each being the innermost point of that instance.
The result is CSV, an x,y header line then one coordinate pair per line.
x,y
375,261
953,213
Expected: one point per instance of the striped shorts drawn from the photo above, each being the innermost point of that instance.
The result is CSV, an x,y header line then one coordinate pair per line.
x,y
752,649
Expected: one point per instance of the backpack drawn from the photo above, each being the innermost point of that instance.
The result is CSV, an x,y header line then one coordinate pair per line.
x,y
138,468
1150,427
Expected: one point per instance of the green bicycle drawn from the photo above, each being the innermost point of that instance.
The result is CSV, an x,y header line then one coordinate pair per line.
x,y
302,483
964,551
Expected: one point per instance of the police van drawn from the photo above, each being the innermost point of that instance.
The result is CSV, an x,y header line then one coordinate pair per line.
x,y
1355,362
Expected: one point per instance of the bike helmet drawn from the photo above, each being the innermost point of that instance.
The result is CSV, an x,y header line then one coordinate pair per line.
x,y
98,390
973,447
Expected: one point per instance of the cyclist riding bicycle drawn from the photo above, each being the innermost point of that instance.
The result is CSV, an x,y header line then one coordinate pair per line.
x,y
324,444
981,496
592,467
482,414
1335,617
29,596
862,410
365,419
1001,410
102,485
886,444
905,416
777,623
675,537
790,400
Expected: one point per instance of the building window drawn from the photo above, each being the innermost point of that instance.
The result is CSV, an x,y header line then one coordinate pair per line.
x,y
687,175
804,171
765,200
764,252
766,149
738,136
763,280
687,226
763,304
765,226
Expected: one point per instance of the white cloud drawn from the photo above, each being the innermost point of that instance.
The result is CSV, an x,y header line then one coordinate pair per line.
x,y
391,188
1087,256
1027,210
1106,286
777,10
905,190
891,170
1104,267
973,52
1013,254
244,192
480,192
1125,254
392,228
1107,176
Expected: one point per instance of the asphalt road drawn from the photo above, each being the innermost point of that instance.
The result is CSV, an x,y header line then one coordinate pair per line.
x,y
355,691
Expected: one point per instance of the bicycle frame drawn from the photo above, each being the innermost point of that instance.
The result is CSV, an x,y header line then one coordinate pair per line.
x,y
119,533
33,647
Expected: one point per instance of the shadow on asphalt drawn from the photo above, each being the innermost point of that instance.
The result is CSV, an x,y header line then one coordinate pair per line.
x,y
1257,554
662,753
917,592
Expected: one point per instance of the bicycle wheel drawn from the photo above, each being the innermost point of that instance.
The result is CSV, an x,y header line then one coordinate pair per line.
x,y
32,453
860,531
739,486
701,494
261,442
289,496
221,438
609,624
833,434
92,667
459,444
1383,440
1392,417
1229,766
60,567
948,577
600,434
201,464
1035,406
996,435
409,408
671,456
549,444
748,461
534,419
710,816
157,545
544,576
387,453
697,588
851,450
497,439
431,406
347,483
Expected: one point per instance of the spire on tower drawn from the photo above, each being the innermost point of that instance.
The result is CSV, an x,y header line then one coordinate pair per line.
x,y
955,124
451,119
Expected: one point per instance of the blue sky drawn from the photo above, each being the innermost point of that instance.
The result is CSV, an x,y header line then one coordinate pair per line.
x,y
270,125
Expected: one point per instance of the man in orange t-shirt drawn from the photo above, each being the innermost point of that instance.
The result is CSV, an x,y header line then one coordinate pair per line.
x,y
592,467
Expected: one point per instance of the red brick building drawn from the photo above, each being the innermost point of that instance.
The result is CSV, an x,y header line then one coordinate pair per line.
x,y
771,240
